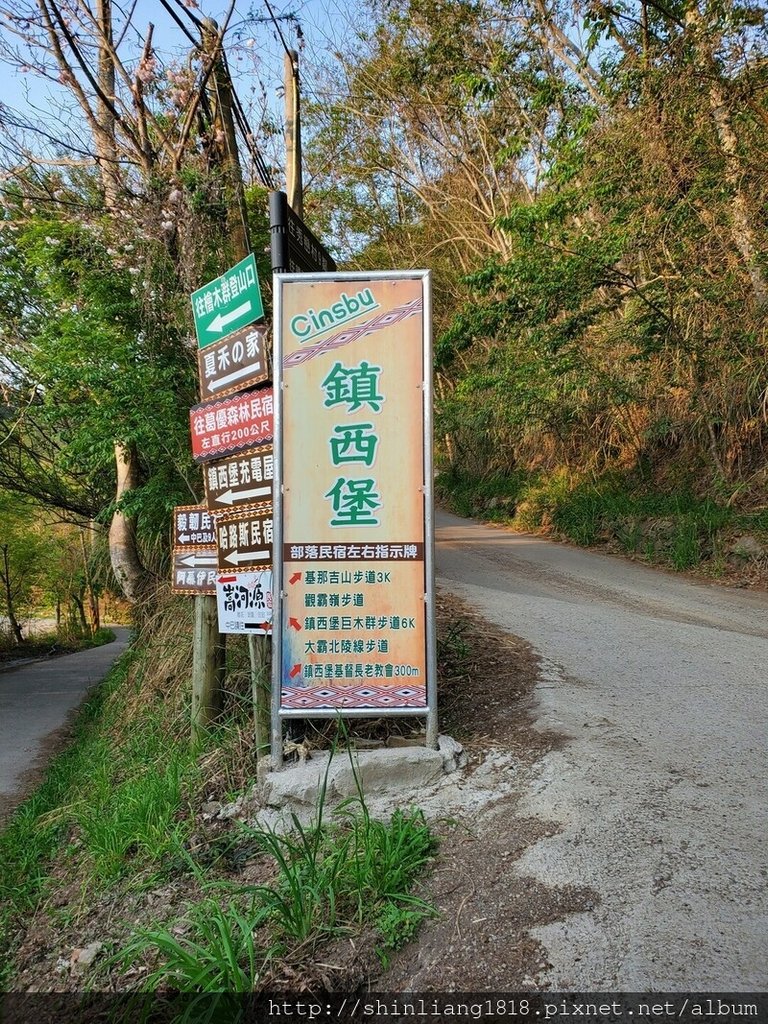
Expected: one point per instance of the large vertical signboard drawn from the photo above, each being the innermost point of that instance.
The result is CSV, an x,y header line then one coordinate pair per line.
x,y
353,493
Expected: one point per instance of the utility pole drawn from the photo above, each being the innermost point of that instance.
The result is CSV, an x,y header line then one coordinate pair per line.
x,y
294,186
209,663
208,645
225,150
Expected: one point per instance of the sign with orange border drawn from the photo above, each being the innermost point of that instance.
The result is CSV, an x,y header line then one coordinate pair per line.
x,y
353,500
194,571
242,479
244,539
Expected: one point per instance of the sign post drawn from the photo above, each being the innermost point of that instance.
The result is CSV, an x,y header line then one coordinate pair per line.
x,y
231,358
294,248
353,526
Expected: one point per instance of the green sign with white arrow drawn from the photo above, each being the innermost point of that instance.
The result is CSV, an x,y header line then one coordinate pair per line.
x,y
227,303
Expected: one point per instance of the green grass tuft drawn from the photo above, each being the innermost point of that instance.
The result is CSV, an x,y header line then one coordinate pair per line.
x,y
332,878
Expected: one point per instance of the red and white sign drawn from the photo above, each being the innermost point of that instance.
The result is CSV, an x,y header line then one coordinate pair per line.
x,y
230,425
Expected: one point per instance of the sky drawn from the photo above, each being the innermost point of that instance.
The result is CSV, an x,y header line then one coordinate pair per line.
x,y
255,52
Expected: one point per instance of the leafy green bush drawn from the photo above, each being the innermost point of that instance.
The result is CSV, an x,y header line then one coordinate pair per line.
x,y
679,529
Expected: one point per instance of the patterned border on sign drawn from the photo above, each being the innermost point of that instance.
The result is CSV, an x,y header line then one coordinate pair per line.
x,y
354,697
394,316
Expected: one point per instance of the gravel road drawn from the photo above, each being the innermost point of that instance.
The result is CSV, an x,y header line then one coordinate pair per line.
x,y
658,685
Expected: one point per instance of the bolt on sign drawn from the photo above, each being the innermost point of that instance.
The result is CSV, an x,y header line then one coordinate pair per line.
x,y
231,424
239,480
237,362
354,538
244,539
194,571
244,602
227,303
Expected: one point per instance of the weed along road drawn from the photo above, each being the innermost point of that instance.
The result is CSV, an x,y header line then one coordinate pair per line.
x,y
36,700
658,687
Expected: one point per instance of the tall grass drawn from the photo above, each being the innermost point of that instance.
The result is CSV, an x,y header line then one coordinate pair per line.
x,y
331,877
116,795
677,528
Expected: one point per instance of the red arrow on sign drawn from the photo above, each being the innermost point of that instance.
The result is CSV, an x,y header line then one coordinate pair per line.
x,y
295,671
295,623
295,578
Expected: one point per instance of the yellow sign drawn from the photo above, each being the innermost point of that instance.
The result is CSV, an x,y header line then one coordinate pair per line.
x,y
354,613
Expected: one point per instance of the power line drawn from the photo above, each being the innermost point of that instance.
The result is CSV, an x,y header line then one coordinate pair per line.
x,y
279,30
192,17
180,23
242,122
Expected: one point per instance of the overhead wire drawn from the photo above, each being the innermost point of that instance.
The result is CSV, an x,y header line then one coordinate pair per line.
x,y
275,22
192,17
180,23
261,166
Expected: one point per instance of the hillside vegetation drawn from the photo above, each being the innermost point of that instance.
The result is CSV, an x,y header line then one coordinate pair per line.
x,y
586,182
589,187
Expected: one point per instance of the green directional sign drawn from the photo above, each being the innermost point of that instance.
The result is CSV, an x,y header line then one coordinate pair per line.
x,y
227,303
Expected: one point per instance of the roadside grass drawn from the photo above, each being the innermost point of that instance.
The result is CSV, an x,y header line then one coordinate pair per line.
x,y
332,878
494,496
114,801
52,642
36,830
679,529
116,814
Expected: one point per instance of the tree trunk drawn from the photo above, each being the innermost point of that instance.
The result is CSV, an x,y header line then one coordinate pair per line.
x,y
104,136
78,602
14,622
93,599
123,549
742,229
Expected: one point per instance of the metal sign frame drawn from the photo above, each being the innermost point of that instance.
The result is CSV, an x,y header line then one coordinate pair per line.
x,y
430,712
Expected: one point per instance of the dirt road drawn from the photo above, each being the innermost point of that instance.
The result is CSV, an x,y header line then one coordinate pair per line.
x,y
660,790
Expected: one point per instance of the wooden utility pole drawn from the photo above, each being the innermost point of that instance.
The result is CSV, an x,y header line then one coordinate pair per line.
x,y
208,666
208,656
225,140
208,645
293,179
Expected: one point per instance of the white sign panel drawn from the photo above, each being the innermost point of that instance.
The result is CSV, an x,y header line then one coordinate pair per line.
x,y
245,602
